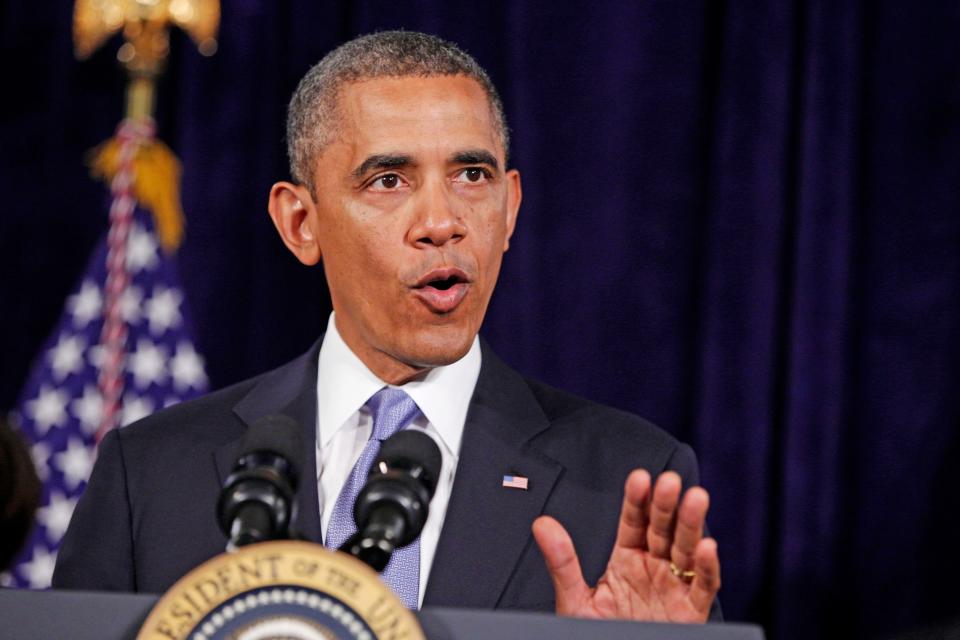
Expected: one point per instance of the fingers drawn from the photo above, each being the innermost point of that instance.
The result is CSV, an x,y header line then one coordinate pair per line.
x,y
562,564
706,583
632,530
689,527
663,506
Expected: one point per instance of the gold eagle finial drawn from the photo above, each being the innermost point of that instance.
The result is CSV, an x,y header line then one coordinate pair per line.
x,y
145,25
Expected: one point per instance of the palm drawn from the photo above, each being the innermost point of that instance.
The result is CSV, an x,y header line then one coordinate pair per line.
x,y
638,586
639,583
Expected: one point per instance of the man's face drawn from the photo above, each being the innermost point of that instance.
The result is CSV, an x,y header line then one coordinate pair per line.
x,y
413,212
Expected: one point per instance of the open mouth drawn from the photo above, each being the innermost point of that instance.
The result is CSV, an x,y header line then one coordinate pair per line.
x,y
443,284
442,290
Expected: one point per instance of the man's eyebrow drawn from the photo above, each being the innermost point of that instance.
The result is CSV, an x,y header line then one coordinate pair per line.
x,y
382,161
475,156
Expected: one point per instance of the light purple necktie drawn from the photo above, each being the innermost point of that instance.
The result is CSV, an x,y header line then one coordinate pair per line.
x,y
392,410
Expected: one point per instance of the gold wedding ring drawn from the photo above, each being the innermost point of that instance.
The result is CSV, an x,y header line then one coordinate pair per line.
x,y
686,576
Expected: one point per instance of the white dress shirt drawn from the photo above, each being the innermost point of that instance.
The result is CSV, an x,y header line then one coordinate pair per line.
x,y
344,424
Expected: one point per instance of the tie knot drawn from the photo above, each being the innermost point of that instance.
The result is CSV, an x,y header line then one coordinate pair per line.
x,y
392,409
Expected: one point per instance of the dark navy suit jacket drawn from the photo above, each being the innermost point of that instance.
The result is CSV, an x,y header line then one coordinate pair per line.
x,y
148,513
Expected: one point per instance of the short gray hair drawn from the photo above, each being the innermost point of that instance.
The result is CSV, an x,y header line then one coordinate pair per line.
x,y
312,114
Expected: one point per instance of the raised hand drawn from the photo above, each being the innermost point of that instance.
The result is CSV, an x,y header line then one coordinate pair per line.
x,y
661,569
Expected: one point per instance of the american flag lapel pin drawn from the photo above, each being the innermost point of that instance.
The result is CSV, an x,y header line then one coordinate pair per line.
x,y
516,482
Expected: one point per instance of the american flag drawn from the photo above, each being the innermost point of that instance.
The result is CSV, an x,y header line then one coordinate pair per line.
x,y
515,482
61,407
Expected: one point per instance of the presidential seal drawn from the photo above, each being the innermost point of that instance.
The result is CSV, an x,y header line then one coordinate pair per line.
x,y
281,590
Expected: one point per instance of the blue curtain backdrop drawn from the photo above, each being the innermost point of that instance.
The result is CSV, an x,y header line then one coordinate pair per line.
x,y
741,220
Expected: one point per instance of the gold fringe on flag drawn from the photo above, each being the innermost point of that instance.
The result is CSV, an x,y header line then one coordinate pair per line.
x,y
156,183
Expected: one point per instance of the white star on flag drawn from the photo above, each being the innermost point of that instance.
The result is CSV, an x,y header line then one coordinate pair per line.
x,y
97,356
67,356
56,516
163,309
85,305
74,463
148,364
88,409
40,452
130,302
134,408
39,569
187,368
141,250
48,409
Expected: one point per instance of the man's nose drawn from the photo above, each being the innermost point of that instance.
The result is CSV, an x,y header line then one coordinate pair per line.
x,y
437,219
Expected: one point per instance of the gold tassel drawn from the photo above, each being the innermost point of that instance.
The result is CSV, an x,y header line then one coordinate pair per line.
x,y
156,184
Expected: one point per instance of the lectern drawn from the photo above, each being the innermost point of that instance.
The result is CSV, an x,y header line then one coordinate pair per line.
x,y
87,615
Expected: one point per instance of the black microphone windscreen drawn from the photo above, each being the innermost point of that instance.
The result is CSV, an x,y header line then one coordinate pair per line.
x,y
411,446
276,434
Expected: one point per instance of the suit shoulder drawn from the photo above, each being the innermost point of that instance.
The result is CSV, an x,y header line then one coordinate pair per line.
x,y
207,419
565,408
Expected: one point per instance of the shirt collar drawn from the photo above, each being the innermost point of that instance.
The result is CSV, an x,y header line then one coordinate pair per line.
x,y
344,384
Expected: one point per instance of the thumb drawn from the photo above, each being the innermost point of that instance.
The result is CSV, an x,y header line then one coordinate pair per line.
x,y
562,564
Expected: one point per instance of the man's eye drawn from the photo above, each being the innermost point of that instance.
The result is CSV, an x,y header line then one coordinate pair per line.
x,y
386,182
473,174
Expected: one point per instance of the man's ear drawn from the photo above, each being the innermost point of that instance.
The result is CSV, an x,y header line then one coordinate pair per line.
x,y
514,196
294,213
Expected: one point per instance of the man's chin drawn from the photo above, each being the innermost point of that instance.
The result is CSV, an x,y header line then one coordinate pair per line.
x,y
437,349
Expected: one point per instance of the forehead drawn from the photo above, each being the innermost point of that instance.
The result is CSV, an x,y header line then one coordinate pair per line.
x,y
415,115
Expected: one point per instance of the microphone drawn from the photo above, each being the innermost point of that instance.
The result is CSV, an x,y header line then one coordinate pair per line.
x,y
392,507
256,503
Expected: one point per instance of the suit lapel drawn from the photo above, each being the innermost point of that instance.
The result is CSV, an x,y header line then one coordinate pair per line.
x,y
487,526
291,391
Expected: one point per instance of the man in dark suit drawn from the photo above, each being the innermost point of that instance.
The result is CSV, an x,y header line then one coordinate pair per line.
x,y
398,151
